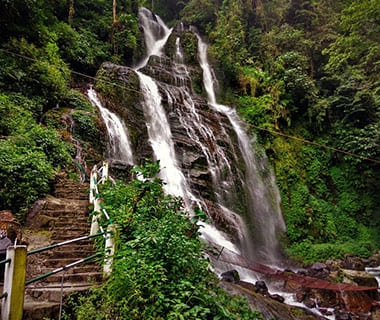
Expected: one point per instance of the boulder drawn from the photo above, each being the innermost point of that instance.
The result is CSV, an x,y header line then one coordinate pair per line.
x,y
261,287
277,297
318,266
309,303
361,278
231,276
353,263
355,301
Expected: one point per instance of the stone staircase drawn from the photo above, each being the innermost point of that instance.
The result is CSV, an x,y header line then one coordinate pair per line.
x,y
56,219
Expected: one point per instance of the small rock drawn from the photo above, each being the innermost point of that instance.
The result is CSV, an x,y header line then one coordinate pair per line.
x,y
318,266
277,297
301,295
261,287
309,303
231,276
326,312
353,263
342,315
247,285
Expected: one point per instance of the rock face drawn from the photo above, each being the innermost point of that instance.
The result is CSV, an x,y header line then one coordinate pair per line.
x,y
201,136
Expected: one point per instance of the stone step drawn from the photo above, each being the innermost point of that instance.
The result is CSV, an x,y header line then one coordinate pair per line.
x,y
63,223
80,229
65,215
85,268
60,262
58,238
81,244
70,196
68,185
50,292
75,277
71,219
74,252
65,212
54,203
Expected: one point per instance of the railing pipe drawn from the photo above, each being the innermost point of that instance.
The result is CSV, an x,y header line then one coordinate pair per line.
x,y
56,245
71,265
5,261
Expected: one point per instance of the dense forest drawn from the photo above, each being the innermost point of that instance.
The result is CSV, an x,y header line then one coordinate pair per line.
x,y
292,68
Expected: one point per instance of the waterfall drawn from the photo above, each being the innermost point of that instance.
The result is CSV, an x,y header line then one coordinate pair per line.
x,y
160,136
156,33
119,145
263,195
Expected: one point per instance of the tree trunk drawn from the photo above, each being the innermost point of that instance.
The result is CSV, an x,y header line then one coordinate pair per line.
x,y
114,11
71,11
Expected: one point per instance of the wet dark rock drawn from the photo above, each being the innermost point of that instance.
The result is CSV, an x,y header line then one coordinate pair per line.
x,y
309,303
353,263
342,315
261,287
271,309
361,278
325,311
277,297
231,276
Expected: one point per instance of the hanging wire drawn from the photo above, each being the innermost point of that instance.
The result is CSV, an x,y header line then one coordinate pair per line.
x,y
137,91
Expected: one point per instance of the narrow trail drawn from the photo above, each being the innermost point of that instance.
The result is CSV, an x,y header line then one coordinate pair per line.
x,y
62,217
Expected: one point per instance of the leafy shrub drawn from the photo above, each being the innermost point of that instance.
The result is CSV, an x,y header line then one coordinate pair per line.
x,y
75,100
85,127
46,78
24,176
159,269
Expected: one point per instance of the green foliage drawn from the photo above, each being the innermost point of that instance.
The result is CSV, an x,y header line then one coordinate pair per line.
x,y
46,78
201,13
81,48
159,269
85,127
24,176
310,69
229,37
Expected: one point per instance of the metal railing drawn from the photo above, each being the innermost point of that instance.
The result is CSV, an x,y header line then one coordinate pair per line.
x,y
15,262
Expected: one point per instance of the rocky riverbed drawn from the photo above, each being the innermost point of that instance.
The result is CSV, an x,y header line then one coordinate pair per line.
x,y
344,305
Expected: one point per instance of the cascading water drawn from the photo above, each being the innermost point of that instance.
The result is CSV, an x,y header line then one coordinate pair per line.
x,y
120,147
159,130
263,195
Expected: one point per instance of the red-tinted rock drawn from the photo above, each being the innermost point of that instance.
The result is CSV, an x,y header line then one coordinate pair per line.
x,y
355,301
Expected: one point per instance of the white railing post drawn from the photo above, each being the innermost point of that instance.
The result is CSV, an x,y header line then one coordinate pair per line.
x,y
105,171
93,178
95,217
14,284
110,248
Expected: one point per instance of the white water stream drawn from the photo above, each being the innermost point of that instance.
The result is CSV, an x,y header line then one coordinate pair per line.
x,y
156,34
264,198
118,137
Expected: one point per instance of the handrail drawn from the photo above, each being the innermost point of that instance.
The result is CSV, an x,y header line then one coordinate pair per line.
x,y
81,168
5,261
71,265
56,245
94,191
